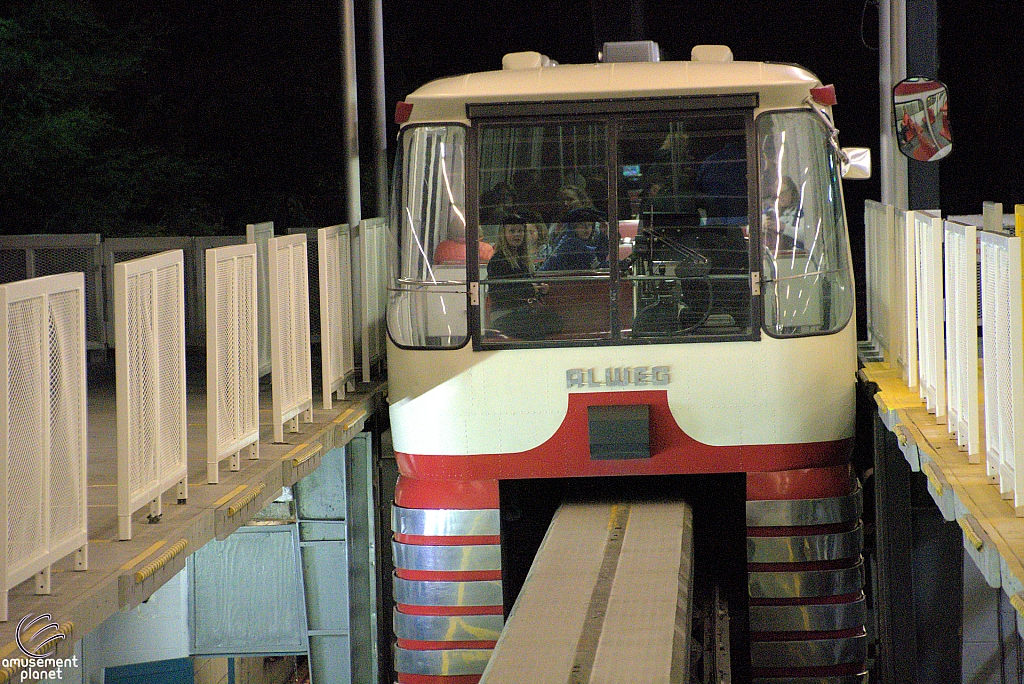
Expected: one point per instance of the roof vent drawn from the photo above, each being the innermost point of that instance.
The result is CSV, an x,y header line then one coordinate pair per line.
x,y
526,60
711,53
630,51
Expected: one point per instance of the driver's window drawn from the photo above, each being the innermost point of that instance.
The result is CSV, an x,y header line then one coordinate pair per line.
x,y
683,212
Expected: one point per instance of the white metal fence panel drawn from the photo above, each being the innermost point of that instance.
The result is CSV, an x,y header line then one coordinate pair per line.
x,y
34,256
259,234
930,326
1004,363
116,250
962,337
880,275
43,447
373,241
906,265
232,365
198,288
337,358
291,375
149,323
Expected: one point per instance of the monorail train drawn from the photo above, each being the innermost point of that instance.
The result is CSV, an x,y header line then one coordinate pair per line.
x,y
656,300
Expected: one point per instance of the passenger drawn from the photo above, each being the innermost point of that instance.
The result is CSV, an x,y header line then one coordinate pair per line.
x,y
515,306
575,203
780,220
512,260
496,204
575,244
453,249
537,246
573,250
722,184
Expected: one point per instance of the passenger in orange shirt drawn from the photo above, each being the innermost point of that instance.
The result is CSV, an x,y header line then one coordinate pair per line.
x,y
452,250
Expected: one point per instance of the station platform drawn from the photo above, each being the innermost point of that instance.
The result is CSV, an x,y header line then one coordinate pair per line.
x,y
123,574
993,535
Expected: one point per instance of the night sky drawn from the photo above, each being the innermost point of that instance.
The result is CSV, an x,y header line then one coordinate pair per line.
x,y
262,81
257,86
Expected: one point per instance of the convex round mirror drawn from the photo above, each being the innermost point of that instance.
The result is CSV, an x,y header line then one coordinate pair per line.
x,y
921,108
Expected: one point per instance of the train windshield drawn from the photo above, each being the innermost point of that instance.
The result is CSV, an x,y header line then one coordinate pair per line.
x,y
618,228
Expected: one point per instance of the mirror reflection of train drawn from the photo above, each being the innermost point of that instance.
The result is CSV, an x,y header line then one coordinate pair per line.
x,y
921,108
626,280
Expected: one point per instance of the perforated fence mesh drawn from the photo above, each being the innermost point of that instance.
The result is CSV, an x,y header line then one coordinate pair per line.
x,y
33,256
141,383
152,450
374,239
335,285
226,354
906,266
879,267
119,250
200,245
13,265
26,540
1004,365
990,352
313,279
169,309
232,351
248,374
67,450
291,382
962,333
931,329
45,450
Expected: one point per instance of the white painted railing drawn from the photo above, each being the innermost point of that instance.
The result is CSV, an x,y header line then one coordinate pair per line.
x,y
149,334
232,365
373,240
336,343
930,311
259,234
891,274
880,276
43,448
1004,363
906,265
198,288
291,375
961,312
125,249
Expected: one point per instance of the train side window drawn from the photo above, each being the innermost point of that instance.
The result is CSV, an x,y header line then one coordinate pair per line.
x,y
806,266
427,229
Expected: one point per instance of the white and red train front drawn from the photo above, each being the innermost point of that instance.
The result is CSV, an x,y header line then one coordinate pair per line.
x,y
658,283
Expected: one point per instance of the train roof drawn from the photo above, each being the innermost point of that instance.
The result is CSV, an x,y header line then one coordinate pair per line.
x,y
777,85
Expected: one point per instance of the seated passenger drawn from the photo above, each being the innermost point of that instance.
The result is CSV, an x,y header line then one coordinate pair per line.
x,y
576,249
514,304
576,203
453,249
780,220
537,242
511,260
722,183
